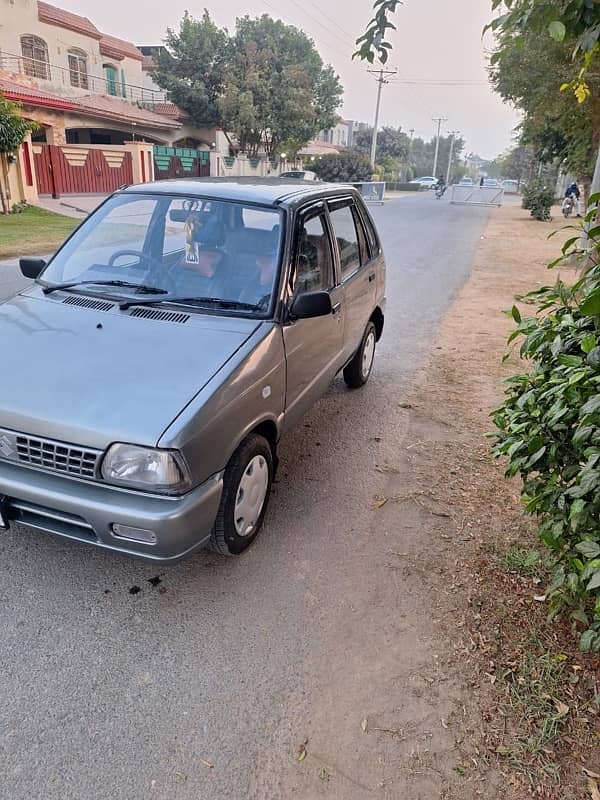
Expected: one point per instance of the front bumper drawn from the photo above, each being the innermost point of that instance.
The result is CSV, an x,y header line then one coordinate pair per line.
x,y
85,511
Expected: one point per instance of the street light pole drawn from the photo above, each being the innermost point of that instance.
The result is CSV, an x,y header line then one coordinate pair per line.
x,y
380,80
453,134
439,121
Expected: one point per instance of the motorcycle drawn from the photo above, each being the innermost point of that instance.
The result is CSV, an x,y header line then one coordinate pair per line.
x,y
568,206
440,191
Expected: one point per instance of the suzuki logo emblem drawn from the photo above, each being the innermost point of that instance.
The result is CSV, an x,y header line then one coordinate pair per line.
x,y
6,447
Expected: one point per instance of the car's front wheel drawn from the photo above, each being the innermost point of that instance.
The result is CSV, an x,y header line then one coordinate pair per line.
x,y
358,371
246,488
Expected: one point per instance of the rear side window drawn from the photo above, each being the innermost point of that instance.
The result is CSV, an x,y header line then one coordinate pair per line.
x,y
346,236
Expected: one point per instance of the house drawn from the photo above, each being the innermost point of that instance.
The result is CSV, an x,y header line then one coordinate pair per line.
x,y
81,85
101,119
338,136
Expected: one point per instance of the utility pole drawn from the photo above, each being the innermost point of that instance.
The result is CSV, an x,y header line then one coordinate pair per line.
x,y
381,80
439,121
453,135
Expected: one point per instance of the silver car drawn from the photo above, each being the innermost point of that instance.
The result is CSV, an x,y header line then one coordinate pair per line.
x,y
152,367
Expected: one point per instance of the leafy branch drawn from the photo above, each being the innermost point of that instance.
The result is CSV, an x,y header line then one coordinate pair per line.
x,y
373,41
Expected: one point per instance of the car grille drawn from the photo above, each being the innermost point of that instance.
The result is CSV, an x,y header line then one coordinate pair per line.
x,y
57,457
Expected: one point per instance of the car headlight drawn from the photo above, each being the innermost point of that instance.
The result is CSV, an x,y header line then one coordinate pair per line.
x,y
146,468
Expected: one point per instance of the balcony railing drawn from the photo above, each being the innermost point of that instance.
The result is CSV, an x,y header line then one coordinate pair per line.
x,y
52,77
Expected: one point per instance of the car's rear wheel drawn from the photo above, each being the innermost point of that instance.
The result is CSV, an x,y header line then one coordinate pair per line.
x,y
246,488
358,371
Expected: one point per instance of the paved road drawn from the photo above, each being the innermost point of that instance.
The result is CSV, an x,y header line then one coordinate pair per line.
x,y
231,663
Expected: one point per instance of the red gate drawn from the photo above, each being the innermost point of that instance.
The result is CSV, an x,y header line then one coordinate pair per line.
x,y
72,169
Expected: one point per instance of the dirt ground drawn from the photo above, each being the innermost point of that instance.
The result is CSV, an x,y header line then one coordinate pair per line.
x,y
522,717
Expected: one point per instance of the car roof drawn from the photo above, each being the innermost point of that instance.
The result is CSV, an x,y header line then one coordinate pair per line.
x,y
266,191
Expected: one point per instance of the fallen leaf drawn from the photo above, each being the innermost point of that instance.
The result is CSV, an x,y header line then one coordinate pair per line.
x,y
590,773
577,668
302,751
380,502
207,763
323,774
364,724
181,777
593,789
539,598
444,723
562,708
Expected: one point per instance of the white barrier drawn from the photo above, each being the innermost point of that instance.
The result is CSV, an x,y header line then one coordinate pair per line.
x,y
477,195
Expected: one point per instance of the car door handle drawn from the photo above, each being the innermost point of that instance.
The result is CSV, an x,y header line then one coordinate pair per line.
x,y
371,277
336,308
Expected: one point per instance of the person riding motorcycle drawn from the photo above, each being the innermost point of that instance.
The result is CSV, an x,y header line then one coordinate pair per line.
x,y
572,196
440,187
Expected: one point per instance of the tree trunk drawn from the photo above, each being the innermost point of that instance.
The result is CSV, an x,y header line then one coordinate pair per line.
x,y
4,185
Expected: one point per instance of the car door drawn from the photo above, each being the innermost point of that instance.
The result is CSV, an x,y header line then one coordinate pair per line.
x,y
314,347
357,270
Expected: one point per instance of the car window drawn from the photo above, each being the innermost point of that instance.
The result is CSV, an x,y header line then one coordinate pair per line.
x,y
314,265
184,247
124,228
346,236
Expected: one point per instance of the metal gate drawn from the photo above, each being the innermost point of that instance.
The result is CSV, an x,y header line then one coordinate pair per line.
x,y
81,169
180,162
477,195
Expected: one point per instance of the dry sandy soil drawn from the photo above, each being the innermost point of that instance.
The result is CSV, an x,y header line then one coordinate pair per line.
x,y
449,723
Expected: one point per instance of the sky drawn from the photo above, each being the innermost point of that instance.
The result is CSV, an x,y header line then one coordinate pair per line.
x,y
438,55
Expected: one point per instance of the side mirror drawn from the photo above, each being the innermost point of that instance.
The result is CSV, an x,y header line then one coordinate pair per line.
x,y
31,267
311,304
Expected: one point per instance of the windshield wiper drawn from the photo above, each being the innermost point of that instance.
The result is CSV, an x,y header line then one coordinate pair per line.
x,y
202,301
125,284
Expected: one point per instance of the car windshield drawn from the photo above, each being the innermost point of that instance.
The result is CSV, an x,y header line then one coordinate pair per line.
x,y
174,247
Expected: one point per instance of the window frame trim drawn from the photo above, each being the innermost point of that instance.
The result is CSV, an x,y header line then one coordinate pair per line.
x,y
304,214
34,41
349,204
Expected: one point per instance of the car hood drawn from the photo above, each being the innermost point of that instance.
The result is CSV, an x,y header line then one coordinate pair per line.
x,y
92,377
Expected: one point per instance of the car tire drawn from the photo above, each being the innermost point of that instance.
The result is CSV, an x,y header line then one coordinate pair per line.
x,y
246,489
358,371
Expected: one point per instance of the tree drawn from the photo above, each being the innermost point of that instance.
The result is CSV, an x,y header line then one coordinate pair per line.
x,y
574,22
517,164
13,130
527,70
193,68
277,90
266,85
391,142
345,168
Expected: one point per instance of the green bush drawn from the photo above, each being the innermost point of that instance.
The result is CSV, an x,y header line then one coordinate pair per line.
x,y
538,200
344,168
549,429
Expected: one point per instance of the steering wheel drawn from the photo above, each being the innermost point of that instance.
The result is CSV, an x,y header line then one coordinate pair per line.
x,y
152,262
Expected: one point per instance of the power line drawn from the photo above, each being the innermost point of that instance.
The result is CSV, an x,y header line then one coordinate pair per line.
x,y
316,38
351,36
342,39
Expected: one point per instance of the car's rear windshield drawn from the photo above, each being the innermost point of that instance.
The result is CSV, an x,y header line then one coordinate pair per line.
x,y
188,247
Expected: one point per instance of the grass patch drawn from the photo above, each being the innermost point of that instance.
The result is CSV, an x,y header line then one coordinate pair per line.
x,y
520,560
34,231
534,688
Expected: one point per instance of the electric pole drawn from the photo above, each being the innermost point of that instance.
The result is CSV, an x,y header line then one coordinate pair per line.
x,y
381,80
453,135
439,121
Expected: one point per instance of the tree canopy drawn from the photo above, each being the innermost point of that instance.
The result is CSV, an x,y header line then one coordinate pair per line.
x,y
345,168
528,68
13,127
266,84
